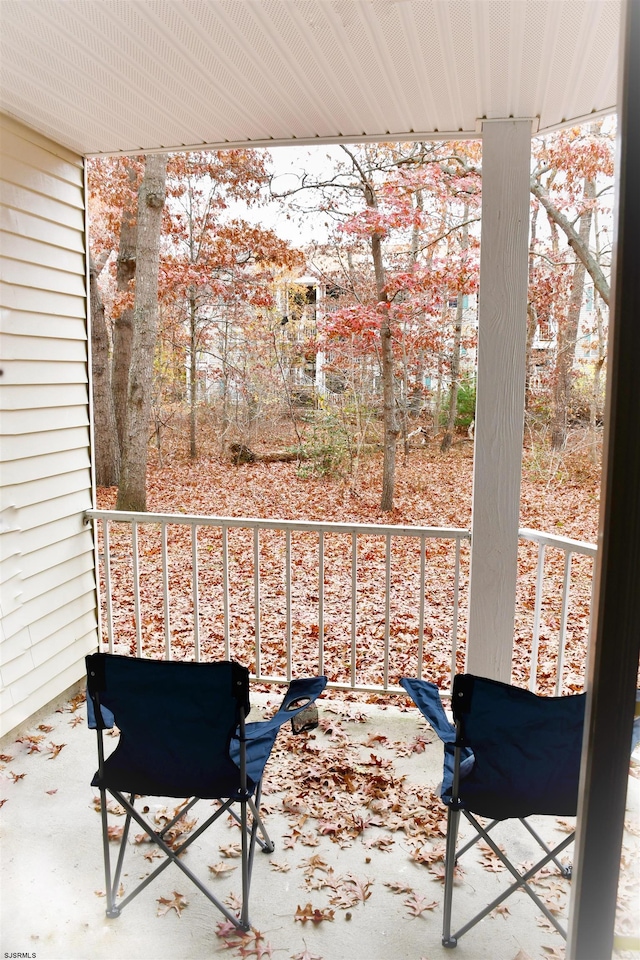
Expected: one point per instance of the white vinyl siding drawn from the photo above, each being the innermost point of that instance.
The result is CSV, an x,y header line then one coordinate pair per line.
x,y
47,570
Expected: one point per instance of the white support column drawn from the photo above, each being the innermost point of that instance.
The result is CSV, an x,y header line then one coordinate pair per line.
x,y
502,316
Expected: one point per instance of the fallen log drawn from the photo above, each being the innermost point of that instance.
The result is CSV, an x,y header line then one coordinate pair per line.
x,y
241,453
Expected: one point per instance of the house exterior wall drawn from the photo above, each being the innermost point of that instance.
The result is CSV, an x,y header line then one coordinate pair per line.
x,y
47,580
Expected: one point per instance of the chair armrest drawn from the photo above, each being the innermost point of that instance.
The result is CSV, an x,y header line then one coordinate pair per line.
x,y
260,735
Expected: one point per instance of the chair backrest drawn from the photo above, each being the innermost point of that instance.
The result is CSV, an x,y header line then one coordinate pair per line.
x,y
526,748
176,721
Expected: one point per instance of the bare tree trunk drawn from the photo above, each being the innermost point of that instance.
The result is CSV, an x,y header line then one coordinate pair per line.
x,y
193,371
107,449
132,494
437,412
447,439
532,319
575,241
415,249
455,352
602,356
123,325
391,429
568,333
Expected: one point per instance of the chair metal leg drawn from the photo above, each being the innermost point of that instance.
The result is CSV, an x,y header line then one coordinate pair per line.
x,y
565,869
266,844
453,819
521,882
112,911
173,856
244,914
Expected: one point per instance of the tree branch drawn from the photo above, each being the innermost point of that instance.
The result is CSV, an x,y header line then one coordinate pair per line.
x,y
581,250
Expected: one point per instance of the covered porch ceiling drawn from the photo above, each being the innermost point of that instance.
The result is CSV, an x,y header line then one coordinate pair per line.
x,y
119,76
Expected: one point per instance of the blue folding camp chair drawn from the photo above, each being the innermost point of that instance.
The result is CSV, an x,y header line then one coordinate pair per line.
x,y
183,734
508,754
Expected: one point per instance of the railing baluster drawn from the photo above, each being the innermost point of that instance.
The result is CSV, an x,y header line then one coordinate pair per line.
x,y
354,606
256,598
421,610
136,586
107,581
225,592
196,591
456,606
537,610
423,534
563,621
287,575
387,611
321,602
165,594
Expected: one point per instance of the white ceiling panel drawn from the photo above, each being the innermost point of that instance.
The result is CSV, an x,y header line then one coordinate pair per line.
x,y
107,76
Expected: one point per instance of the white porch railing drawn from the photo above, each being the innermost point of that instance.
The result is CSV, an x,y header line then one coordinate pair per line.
x,y
562,606
363,603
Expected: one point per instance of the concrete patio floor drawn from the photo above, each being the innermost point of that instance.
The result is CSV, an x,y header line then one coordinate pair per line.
x,y
338,861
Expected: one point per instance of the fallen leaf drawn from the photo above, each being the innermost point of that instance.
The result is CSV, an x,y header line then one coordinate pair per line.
x,y
32,742
177,903
152,854
309,839
218,869
225,929
315,863
361,888
230,850
374,738
417,904
502,910
396,887
315,915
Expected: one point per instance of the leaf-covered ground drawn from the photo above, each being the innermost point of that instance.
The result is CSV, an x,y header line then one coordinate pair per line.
x,y
558,497
432,489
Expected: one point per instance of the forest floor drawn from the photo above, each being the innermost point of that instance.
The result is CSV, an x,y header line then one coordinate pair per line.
x,y
559,494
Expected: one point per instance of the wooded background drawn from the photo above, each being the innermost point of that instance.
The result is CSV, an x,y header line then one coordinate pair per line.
x,y
208,323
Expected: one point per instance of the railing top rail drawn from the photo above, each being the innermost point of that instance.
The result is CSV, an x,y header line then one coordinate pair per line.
x,y
302,526
561,543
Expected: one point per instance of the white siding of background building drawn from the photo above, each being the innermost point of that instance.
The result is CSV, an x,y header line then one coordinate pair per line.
x,y
47,586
